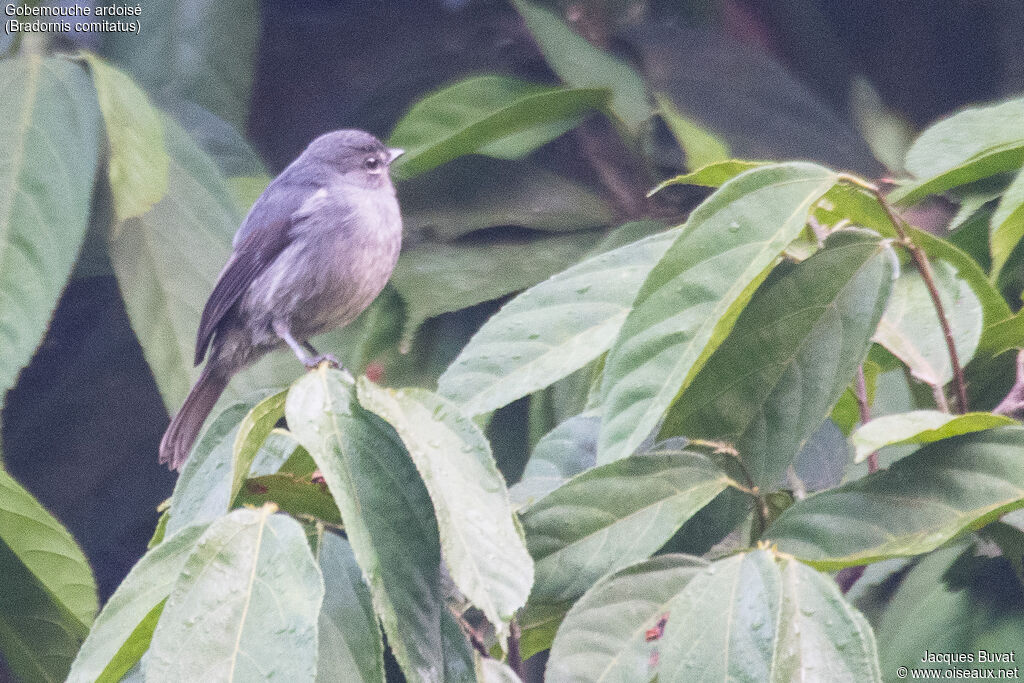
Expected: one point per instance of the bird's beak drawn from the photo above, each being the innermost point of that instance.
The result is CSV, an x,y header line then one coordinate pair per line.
x,y
394,153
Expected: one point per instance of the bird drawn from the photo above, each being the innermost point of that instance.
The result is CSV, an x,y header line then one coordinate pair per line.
x,y
314,251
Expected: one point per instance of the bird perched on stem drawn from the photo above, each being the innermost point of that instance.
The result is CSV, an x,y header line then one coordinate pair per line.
x,y
316,249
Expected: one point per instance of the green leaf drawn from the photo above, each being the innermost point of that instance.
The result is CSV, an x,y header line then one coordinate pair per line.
x,y
910,327
700,145
749,617
350,647
388,515
49,131
46,549
693,296
167,262
458,653
38,635
187,55
913,507
973,144
474,193
1007,225
245,605
299,497
481,546
202,492
611,516
603,637
122,631
440,278
920,426
138,163
490,670
495,116
793,351
714,174
562,453
581,65
47,591
848,202
253,430
552,329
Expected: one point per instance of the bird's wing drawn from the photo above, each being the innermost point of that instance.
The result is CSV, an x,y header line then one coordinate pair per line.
x,y
264,234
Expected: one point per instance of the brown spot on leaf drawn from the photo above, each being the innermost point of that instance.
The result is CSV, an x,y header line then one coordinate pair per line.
x,y
256,488
658,630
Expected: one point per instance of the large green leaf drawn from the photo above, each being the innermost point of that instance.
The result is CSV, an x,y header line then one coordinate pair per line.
x,y
911,508
552,329
847,202
692,298
245,606
123,630
1007,223
603,637
485,555
47,593
350,646
475,192
611,516
919,426
491,115
958,599
38,635
562,453
49,134
202,492
45,547
910,328
714,174
167,261
580,64
387,511
252,432
198,50
138,163
438,278
701,146
791,355
973,144
750,617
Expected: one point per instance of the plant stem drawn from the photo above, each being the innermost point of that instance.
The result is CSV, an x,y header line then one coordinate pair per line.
x,y
924,267
515,659
861,392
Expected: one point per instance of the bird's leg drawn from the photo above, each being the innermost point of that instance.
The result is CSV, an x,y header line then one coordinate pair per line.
x,y
304,351
320,357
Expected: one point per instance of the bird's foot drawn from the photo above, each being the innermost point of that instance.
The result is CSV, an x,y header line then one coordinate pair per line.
x,y
315,361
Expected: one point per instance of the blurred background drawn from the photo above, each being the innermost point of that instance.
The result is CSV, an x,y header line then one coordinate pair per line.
x,y
845,83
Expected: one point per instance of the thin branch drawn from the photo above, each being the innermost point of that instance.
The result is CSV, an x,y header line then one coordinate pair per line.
x,y
515,658
1013,404
848,576
861,392
923,267
474,636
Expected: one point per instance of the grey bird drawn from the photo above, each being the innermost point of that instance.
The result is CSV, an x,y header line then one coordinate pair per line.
x,y
316,249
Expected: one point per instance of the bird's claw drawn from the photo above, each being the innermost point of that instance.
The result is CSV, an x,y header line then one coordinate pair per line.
x,y
323,358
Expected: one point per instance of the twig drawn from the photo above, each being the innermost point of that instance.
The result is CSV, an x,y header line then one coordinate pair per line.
x,y
474,636
515,658
847,577
1013,404
861,392
923,267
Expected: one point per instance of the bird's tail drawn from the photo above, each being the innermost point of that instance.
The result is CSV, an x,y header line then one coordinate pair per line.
x,y
184,428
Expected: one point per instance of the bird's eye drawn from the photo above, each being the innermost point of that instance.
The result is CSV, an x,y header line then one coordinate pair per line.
x,y
371,163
